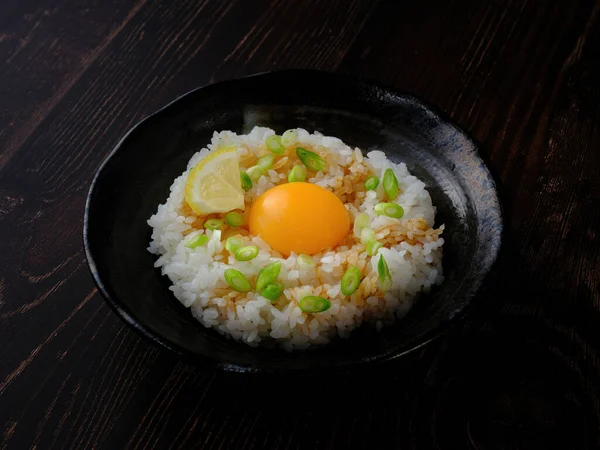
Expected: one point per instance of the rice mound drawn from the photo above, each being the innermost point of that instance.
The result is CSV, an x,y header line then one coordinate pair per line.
x,y
412,249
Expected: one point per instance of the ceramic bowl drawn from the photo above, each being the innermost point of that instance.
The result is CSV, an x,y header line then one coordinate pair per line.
x,y
135,179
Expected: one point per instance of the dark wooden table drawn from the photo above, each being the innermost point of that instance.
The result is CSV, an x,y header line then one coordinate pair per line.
x,y
522,76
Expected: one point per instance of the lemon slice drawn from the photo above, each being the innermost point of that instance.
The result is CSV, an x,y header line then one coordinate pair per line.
x,y
213,185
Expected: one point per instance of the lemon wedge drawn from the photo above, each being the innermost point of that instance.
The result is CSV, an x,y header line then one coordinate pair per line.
x,y
213,185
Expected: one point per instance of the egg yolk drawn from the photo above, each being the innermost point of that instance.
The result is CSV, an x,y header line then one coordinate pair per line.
x,y
300,218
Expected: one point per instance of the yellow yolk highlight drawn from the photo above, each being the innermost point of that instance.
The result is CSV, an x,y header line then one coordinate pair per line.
x,y
300,218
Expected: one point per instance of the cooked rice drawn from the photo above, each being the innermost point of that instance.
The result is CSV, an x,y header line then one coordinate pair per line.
x,y
412,249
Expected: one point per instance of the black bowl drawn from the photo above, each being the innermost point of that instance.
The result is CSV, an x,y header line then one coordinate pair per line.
x,y
136,177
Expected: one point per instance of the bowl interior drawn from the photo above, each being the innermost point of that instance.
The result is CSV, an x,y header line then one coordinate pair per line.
x,y
137,177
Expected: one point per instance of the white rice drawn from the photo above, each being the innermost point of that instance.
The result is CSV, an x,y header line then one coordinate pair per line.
x,y
412,250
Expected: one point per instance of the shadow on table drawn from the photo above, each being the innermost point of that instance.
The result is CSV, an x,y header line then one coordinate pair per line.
x,y
520,373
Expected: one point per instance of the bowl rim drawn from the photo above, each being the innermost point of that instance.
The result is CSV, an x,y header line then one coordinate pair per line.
x,y
120,308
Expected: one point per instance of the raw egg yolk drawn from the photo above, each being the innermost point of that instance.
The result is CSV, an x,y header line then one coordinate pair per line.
x,y
300,218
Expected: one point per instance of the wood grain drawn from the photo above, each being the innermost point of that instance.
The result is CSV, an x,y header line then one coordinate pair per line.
x,y
523,77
